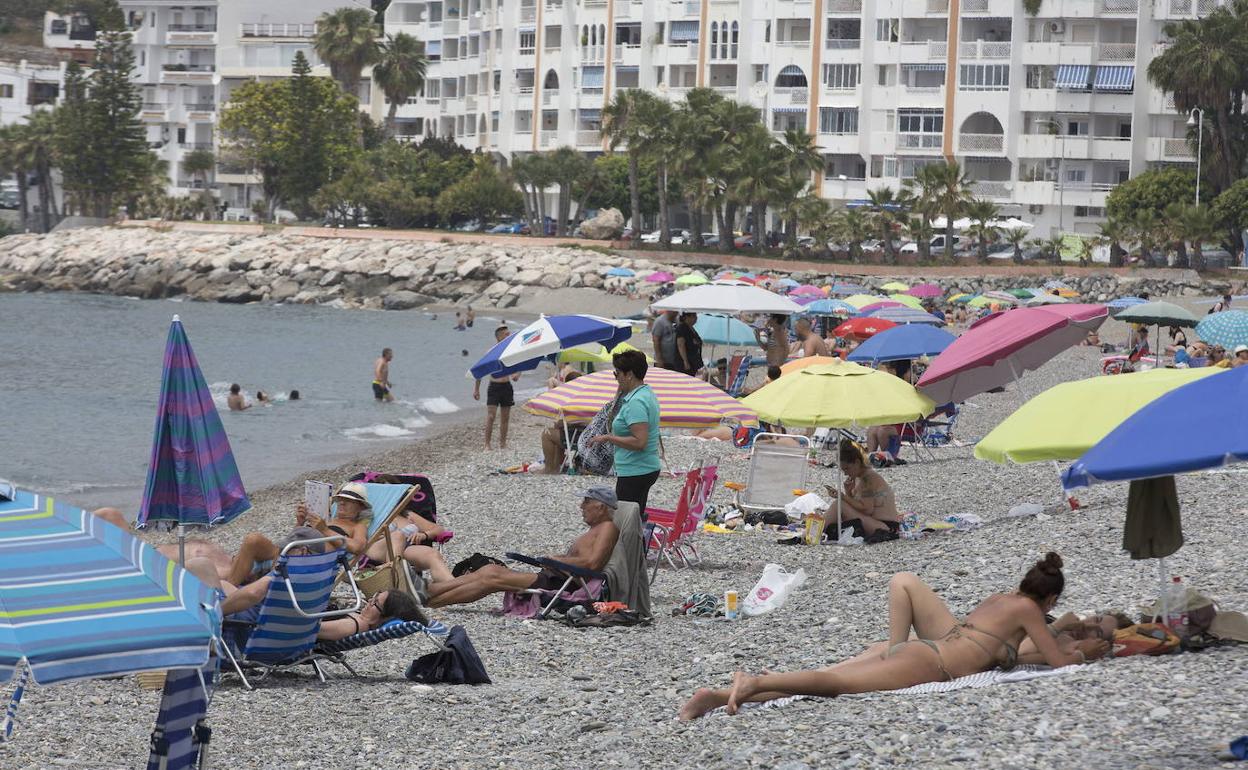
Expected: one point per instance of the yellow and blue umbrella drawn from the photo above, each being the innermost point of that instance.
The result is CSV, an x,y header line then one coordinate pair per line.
x,y
684,401
191,478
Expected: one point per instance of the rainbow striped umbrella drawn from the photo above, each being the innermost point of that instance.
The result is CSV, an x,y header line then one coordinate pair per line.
x,y
684,401
191,477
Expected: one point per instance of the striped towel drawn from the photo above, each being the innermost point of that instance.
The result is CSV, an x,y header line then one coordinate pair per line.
x,y
391,630
181,732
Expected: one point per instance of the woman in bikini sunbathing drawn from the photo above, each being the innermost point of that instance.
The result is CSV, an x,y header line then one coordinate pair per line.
x,y
944,649
381,609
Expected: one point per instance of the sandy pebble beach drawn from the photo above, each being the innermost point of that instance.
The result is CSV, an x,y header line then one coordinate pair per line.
x,y
577,698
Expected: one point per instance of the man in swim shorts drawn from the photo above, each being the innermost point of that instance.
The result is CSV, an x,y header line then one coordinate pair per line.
x,y
381,376
500,397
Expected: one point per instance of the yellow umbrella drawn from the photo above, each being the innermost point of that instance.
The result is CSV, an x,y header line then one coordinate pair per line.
x,y
862,300
982,301
798,364
958,296
907,300
1067,420
894,286
684,402
1067,293
695,278
591,353
624,346
839,395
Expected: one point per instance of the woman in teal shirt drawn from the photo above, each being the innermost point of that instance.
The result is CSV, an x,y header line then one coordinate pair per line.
x,y
634,431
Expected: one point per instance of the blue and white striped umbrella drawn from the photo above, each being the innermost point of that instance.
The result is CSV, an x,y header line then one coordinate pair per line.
x,y
1228,329
81,598
545,337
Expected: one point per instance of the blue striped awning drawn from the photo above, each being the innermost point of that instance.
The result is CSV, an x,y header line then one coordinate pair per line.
x,y
1073,77
592,77
684,31
1115,78
433,48
81,598
924,67
787,110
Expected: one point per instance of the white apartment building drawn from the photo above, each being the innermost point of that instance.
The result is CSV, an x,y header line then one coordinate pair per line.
x,y
1047,113
190,58
30,79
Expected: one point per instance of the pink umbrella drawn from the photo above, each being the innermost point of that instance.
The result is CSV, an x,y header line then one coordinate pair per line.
x,y
803,301
808,291
998,349
925,291
865,309
661,276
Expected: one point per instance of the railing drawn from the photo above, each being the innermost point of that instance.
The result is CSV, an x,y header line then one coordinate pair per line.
x,y
1117,52
984,49
549,138
201,107
841,43
528,13
981,142
938,6
189,67
934,50
1120,6
919,141
595,3
278,30
527,51
1206,7
912,89
1177,148
991,189
844,6
195,145
474,22
793,43
450,27
693,8
974,6
588,138
550,96
1180,7
593,53
155,106
524,90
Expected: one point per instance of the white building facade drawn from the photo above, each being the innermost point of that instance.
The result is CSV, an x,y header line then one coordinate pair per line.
x,y
30,79
1047,113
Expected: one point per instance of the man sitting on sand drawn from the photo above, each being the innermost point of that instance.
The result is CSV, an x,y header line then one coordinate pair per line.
x,y
590,551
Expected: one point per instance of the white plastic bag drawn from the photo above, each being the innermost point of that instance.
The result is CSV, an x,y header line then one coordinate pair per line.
x,y
1025,509
772,590
807,503
849,538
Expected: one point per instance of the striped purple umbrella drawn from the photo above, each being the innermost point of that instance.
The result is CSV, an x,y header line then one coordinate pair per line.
x,y
192,478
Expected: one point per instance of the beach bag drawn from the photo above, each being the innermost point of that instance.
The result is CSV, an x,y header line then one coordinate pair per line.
x,y
597,458
474,563
1144,639
391,576
456,663
772,590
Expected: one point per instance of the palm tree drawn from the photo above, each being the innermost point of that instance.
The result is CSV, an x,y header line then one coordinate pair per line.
x,y
198,163
1145,228
919,229
657,138
759,172
734,122
568,168
1114,231
40,136
856,228
950,191
1170,231
696,155
346,40
16,158
400,72
802,159
1198,224
622,125
1016,237
885,210
982,212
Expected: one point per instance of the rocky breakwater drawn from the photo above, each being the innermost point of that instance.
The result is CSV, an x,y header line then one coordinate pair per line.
x,y
391,274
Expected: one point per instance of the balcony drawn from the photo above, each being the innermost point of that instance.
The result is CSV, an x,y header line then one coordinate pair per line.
x,y
1116,52
191,34
550,138
938,6
528,14
1177,149
908,141
199,74
799,44
924,51
842,43
550,96
296,30
154,112
450,27
974,6
991,190
984,49
1120,6
977,143
852,7
588,138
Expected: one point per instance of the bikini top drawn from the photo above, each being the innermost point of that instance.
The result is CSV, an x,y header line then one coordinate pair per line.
x,y
1011,652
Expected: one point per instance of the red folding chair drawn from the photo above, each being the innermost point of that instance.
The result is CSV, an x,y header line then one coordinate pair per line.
x,y
669,532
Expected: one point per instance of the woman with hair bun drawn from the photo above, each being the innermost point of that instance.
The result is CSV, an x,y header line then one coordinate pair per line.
x,y
942,648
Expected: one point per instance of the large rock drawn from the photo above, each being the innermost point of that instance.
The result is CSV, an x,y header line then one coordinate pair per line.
x,y
403,300
607,225
284,290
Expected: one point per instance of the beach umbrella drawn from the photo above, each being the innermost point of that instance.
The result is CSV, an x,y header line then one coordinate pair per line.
x,y
903,343
830,307
807,290
906,315
846,289
192,479
838,395
1068,293
684,401
862,300
542,339
862,328
1022,293
660,276
907,300
83,599
695,278
620,272
895,286
962,298
1116,305
1046,299
998,349
798,364
1068,419
1158,314
589,353
804,301
788,283
925,291
874,306
724,330
1228,329
731,299
1001,297
1056,284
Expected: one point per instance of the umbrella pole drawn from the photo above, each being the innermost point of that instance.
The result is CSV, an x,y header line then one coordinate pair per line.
x,y
1161,589
182,544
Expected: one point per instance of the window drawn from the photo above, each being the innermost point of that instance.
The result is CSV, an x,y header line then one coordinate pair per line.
x,y
836,120
735,36
714,40
1089,211
528,41
920,121
841,77
1076,128
6,90
985,77
1076,175
886,30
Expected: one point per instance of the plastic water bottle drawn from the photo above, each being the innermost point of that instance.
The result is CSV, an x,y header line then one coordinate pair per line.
x,y
1176,607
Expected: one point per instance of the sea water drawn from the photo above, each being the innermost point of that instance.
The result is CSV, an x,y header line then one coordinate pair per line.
x,y
80,381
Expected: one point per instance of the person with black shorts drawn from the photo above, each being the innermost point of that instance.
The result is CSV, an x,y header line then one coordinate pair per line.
x,y
500,397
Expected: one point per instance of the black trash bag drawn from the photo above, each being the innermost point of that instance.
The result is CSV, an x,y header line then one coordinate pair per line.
x,y
456,663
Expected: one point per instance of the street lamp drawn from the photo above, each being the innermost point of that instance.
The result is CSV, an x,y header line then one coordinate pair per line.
x,y
1199,124
1061,157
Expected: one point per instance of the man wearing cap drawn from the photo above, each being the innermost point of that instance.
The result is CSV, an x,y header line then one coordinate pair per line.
x,y
1241,357
590,551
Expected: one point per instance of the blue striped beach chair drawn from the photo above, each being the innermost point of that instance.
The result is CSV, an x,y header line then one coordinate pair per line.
x,y
337,650
284,633
180,740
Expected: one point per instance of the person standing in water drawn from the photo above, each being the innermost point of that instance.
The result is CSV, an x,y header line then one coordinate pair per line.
x,y
381,376
500,397
470,317
236,401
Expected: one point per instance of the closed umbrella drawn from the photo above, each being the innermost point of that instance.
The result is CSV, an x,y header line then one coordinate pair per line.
x,y
903,343
691,279
726,298
905,315
862,328
1228,329
998,349
925,291
192,479
684,401
524,349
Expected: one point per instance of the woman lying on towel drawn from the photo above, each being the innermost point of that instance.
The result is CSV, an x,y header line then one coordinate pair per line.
x,y
944,649
384,607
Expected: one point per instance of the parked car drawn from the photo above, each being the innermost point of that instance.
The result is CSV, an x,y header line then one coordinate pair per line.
x,y
471,226
806,241
678,237
936,245
744,241
514,228
710,239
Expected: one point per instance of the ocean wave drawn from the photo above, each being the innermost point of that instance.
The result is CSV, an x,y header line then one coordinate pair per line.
x,y
417,422
437,405
380,430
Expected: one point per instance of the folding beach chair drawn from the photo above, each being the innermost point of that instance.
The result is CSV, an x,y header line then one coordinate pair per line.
x,y
390,502
739,366
930,432
284,632
180,739
669,532
337,650
775,471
